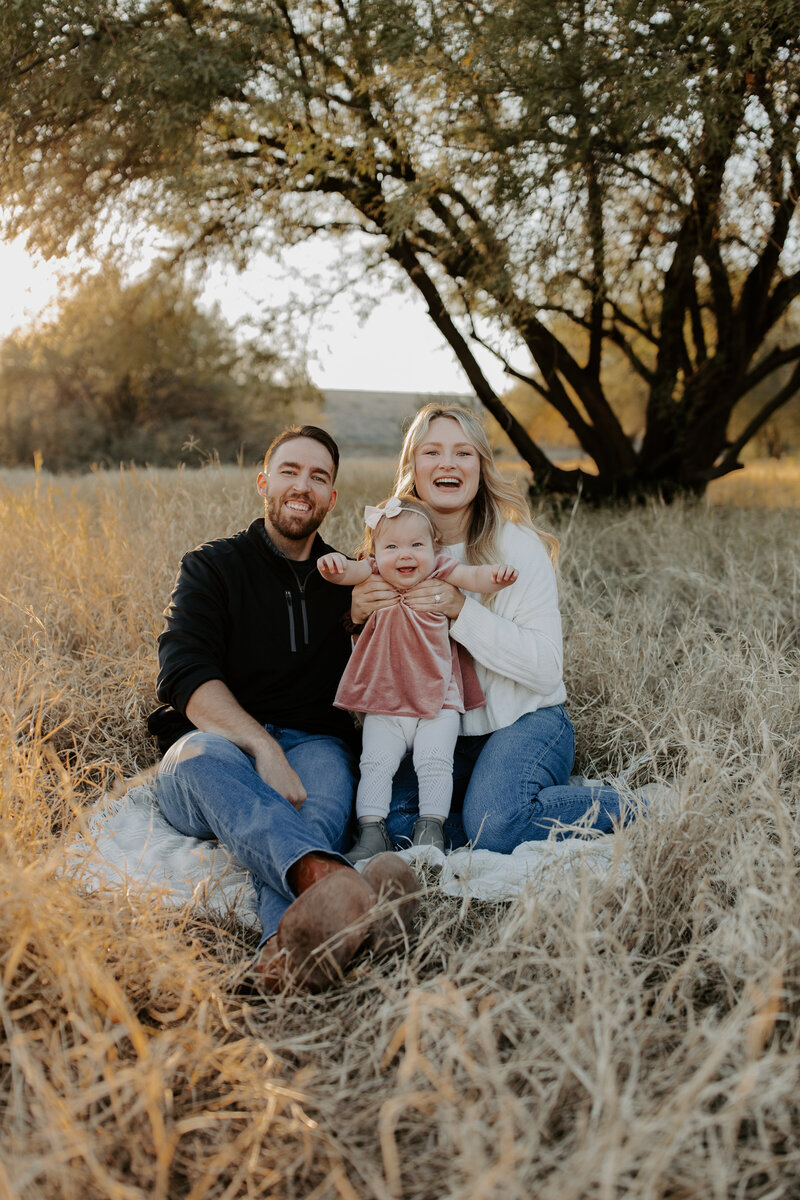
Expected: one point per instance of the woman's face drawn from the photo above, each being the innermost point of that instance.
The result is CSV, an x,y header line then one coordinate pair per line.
x,y
447,468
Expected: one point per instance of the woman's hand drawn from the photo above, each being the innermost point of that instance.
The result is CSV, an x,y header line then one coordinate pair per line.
x,y
371,596
435,595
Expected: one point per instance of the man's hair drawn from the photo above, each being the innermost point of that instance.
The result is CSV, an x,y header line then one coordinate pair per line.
x,y
292,432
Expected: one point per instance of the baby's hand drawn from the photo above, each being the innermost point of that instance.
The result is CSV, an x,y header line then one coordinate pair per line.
x,y
503,574
332,564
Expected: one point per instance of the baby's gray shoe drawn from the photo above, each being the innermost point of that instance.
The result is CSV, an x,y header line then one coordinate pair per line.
x,y
428,832
372,839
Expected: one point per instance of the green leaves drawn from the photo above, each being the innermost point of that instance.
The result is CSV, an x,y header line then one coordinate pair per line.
x,y
625,169
135,370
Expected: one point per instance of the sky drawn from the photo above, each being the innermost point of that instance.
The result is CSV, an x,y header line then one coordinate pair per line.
x,y
397,348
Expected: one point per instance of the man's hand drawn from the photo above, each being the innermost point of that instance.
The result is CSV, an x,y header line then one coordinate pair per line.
x,y
371,596
503,574
273,767
214,708
331,565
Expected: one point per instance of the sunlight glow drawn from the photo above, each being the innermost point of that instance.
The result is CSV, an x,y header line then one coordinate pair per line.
x,y
397,347
29,284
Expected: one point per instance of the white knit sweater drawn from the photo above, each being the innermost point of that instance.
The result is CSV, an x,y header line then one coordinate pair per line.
x,y
516,644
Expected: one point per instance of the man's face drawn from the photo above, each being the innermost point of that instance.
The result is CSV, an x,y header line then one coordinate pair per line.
x,y
298,489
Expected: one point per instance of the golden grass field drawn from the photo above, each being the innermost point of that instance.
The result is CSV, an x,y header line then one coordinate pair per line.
x,y
631,1036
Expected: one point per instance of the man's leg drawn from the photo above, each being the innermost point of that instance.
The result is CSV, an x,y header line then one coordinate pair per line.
x,y
328,769
207,787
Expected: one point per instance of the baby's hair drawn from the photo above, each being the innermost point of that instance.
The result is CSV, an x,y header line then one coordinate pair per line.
x,y
409,504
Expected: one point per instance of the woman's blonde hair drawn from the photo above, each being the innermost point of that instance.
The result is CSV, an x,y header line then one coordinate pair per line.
x,y
497,498
410,504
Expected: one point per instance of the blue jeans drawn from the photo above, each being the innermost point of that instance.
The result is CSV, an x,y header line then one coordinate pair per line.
x,y
208,788
509,787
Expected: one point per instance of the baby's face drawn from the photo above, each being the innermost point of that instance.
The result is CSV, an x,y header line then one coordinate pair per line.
x,y
404,550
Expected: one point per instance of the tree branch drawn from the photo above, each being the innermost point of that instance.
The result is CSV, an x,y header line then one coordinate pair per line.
x,y
530,380
782,296
623,318
756,309
616,336
696,316
402,253
598,281
728,460
775,359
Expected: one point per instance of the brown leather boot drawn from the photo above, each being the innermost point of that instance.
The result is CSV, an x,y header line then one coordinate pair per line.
x,y
269,967
324,927
397,891
309,869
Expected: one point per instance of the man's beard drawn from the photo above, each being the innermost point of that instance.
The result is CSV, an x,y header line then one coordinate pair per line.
x,y
294,527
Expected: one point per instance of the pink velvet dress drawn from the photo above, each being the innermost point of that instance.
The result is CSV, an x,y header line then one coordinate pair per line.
x,y
404,661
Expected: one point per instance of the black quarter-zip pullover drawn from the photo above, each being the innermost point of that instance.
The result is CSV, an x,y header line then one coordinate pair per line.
x,y
273,632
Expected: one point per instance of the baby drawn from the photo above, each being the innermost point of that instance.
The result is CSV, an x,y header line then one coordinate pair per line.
x,y
406,675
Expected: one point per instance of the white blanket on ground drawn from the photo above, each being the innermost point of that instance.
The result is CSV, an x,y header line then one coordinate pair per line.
x,y
129,844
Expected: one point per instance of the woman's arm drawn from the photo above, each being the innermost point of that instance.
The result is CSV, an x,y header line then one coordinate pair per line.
x,y
522,641
338,569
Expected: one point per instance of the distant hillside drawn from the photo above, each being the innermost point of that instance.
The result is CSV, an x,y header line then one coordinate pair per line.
x,y
374,422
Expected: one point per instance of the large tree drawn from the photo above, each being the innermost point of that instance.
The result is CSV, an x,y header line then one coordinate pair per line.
x,y
627,167
139,371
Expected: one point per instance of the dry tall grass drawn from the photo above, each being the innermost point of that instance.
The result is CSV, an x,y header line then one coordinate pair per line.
x,y
631,1036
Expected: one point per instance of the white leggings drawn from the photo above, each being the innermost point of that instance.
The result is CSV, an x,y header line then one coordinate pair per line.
x,y
387,740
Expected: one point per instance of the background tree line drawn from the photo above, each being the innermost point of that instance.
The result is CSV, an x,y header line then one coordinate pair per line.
x,y
139,371
623,170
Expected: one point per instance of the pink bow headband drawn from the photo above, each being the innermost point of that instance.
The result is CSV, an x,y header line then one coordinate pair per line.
x,y
392,508
373,514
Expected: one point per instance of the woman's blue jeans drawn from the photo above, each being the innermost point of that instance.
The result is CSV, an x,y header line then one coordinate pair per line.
x,y
208,788
510,787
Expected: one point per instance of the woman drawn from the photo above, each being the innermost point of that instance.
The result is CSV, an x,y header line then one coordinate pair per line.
x,y
515,755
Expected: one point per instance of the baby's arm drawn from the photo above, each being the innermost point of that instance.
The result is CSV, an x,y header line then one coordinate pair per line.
x,y
488,578
338,569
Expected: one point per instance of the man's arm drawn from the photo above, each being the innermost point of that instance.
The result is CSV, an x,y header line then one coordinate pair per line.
x,y
192,646
484,578
338,569
214,709
191,653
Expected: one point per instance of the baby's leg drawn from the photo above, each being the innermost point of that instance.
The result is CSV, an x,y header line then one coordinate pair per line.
x,y
434,744
386,742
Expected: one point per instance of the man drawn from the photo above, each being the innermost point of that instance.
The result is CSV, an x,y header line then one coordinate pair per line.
x,y
254,646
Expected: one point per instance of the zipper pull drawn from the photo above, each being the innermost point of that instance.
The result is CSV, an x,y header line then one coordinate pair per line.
x,y
290,606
